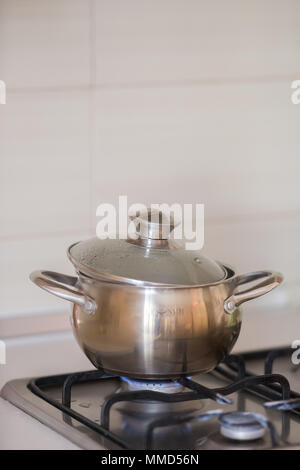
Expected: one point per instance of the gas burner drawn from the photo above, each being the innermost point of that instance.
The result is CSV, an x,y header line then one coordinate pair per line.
x,y
164,386
127,413
242,425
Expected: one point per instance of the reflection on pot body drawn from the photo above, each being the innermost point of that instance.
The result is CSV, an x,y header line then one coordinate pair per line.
x,y
163,332
149,309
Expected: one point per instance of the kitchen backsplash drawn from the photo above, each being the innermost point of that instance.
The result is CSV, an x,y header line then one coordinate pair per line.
x,y
165,101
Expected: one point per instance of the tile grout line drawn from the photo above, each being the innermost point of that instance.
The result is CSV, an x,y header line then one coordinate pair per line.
x,y
92,43
210,81
92,115
40,235
210,221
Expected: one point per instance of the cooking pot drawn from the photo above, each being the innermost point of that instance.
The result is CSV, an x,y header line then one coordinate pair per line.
x,y
148,308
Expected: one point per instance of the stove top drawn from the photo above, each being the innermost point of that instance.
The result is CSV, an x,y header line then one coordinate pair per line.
x,y
250,401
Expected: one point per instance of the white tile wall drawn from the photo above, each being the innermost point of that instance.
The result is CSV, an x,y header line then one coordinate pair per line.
x,y
233,147
19,258
56,353
169,101
45,165
257,244
195,39
44,43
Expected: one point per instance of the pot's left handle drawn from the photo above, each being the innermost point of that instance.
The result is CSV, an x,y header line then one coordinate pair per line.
x,y
271,280
63,286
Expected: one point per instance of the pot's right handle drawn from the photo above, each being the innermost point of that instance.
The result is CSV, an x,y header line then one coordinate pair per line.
x,y
272,280
63,286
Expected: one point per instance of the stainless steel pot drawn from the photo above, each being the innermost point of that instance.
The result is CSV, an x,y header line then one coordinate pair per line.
x,y
153,330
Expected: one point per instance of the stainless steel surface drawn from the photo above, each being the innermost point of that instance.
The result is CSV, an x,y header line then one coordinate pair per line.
x,y
271,280
130,419
63,286
156,311
241,426
153,333
154,225
148,332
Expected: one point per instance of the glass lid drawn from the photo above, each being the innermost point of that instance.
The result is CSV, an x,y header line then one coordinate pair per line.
x,y
152,257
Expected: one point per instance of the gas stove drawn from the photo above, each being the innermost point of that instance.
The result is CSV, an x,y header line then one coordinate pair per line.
x,y
250,401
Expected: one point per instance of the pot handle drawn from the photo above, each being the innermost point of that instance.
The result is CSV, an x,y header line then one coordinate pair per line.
x,y
272,280
63,286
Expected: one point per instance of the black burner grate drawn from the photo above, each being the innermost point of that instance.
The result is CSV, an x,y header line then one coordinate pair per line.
x,y
269,386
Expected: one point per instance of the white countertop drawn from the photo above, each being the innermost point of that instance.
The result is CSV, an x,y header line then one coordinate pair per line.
x,y
21,431
31,356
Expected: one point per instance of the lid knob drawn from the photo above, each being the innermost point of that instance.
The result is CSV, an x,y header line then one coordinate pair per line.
x,y
154,225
